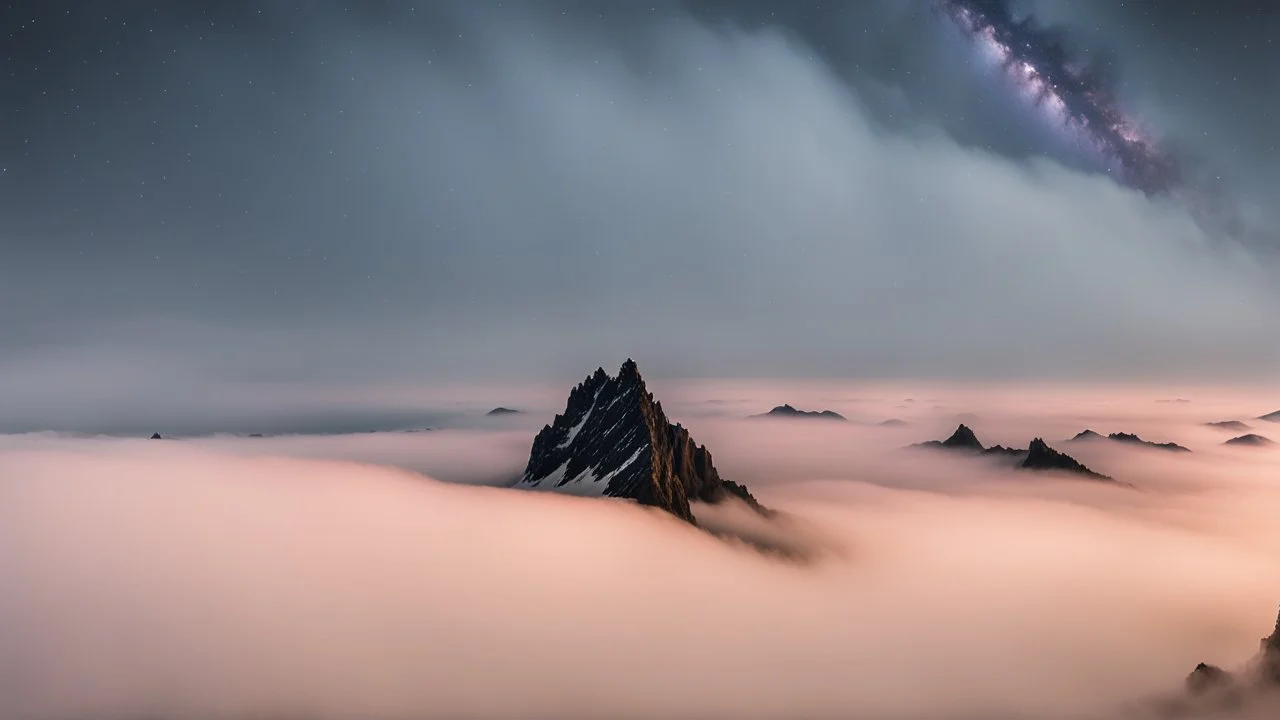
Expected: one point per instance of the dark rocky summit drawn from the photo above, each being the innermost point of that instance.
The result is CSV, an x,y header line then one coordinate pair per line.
x,y
963,438
1042,457
613,440
156,436
787,411
1038,456
1249,440
1234,425
502,411
1129,439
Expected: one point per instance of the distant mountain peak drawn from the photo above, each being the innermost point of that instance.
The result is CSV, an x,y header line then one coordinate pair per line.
x,y
1037,456
1251,440
788,411
1228,425
503,411
613,440
1128,438
1271,417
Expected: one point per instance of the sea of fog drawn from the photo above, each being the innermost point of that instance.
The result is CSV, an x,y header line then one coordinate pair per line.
x,y
388,575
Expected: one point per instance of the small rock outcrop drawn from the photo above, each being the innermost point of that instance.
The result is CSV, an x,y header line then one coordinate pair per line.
x,y
502,411
1042,457
1233,425
1250,440
787,411
613,440
156,436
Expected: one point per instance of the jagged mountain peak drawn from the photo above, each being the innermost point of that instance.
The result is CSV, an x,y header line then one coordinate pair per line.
x,y
614,440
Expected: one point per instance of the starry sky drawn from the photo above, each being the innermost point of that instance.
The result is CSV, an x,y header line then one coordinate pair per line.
x,y
204,192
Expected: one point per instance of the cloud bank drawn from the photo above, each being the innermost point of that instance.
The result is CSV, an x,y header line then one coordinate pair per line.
x,y
235,578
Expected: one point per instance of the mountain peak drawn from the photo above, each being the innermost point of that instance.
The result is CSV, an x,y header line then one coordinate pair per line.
x,y
630,371
1042,457
963,437
614,440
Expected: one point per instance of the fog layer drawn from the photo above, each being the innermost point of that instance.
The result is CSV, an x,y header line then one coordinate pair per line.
x,y
224,578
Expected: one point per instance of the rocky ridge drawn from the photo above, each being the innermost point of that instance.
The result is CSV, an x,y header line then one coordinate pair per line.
x,y
1037,456
1130,439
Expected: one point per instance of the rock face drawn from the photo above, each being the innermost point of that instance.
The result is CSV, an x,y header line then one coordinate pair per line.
x,y
502,411
1249,440
1042,457
613,440
1234,425
787,411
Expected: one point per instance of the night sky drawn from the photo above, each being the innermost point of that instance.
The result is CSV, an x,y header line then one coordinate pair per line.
x,y
199,193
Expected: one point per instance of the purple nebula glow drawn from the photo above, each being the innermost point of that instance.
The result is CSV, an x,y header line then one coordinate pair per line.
x,y
1071,93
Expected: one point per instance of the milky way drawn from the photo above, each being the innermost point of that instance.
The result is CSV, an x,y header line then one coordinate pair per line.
x,y
1075,92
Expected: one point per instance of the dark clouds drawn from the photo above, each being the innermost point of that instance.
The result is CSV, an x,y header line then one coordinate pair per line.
x,y
255,192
